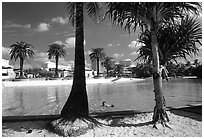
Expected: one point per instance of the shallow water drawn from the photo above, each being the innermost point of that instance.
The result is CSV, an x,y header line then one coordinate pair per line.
x,y
43,100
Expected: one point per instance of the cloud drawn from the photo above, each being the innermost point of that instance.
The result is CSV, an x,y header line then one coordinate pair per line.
x,y
135,45
71,42
134,53
117,55
42,27
87,64
65,33
5,52
41,56
87,52
132,45
10,24
109,45
60,20
128,59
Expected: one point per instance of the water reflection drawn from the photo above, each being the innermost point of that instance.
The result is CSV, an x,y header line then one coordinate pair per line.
x,y
139,96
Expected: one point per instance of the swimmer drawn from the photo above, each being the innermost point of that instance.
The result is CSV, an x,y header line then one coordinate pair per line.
x,y
106,105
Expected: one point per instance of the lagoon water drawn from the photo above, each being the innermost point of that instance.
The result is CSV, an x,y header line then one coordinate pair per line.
x,y
45,100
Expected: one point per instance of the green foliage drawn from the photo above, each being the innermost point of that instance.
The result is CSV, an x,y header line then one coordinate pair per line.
x,y
56,50
118,70
175,41
97,53
142,71
108,63
21,50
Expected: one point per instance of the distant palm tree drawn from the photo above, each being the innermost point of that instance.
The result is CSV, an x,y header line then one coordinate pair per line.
x,y
108,63
149,16
118,70
98,54
21,50
56,50
175,41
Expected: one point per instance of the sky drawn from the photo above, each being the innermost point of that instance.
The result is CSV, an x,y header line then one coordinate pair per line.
x,y
42,23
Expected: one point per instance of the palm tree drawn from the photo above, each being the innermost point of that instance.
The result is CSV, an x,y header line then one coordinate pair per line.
x,y
98,54
118,70
56,50
21,50
149,16
175,41
108,64
76,105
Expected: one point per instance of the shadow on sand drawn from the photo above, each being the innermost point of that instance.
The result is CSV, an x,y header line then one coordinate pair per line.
x,y
192,115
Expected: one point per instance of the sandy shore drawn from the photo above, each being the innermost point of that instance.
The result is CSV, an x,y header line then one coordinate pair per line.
x,y
183,123
67,82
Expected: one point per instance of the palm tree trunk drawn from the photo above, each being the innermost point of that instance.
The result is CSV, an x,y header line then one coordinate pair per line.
x,y
97,62
56,68
77,103
160,108
21,67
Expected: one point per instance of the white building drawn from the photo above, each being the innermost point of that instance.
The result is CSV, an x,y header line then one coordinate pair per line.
x,y
125,63
50,66
7,71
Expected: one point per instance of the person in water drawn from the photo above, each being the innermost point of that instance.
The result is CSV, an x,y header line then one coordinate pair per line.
x,y
104,104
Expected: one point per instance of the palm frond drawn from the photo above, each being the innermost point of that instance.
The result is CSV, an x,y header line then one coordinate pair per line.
x,y
21,50
94,10
175,40
56,49
97,53
71,9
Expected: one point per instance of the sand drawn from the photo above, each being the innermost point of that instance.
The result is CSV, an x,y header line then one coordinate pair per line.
x,y
183,123
67,82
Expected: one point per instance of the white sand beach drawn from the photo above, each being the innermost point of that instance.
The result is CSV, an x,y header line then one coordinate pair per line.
x,y
183,124
67,82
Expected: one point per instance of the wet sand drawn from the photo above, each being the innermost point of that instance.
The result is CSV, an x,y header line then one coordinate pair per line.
x,y
183,123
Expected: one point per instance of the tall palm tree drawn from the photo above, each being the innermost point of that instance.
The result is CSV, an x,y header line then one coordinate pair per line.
x,y
175,41
98,54
21,50
56,50
76,105
149,16
108,63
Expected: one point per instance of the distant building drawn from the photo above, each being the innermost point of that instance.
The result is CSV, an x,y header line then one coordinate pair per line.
x,y
50,66
63,70
7,71
127,67
125,63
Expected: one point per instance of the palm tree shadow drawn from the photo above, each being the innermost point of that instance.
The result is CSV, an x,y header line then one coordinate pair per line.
x,y
189,114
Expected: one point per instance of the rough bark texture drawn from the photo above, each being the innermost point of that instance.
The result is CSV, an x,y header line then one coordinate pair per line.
x,y
160,114
56,68
77,103
97,62
75,113
21,67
